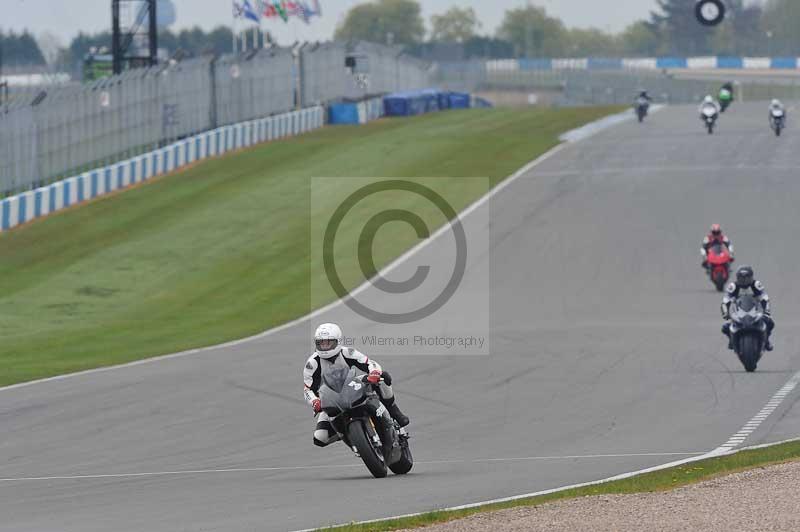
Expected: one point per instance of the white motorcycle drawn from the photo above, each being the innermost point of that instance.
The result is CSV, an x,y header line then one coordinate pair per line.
x,y
709,114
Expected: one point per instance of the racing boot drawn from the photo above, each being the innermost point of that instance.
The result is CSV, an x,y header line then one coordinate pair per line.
x,y
726,330
394,411
770,328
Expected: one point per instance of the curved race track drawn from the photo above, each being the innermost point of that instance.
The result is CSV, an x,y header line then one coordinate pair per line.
x,y
606,358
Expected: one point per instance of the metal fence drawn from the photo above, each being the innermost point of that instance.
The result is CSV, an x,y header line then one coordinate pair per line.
x,y
375,69
582,86
60,131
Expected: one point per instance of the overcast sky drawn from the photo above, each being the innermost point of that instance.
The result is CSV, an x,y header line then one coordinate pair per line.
x,y
66,17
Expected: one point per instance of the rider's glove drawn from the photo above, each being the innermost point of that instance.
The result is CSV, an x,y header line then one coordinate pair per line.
x,y
316,405
374,376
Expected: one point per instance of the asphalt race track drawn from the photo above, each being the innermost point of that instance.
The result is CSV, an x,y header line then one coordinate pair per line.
x,y
606,358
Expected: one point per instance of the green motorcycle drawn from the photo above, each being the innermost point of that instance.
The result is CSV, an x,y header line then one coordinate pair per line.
x,y
725,98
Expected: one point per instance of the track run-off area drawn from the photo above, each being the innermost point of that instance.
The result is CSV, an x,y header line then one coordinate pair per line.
x,y
606,357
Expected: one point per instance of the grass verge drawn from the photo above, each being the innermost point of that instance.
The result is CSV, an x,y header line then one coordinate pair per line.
x,y
663,480
221,250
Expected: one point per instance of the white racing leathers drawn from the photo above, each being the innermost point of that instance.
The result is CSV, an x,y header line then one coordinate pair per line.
x,y
313,371
708,109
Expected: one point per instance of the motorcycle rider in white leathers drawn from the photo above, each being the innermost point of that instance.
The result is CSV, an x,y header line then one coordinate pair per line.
x,y
745,280
776,105
708,101
330,353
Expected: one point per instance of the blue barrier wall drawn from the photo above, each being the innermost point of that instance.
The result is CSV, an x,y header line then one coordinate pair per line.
x,y
424,101
730,62
671,62
601,63
343,113
411,103
459,100
355,112
783,62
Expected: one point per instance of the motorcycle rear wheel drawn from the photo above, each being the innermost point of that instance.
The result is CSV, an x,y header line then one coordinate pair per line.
x,y
749,351
719,284
372,457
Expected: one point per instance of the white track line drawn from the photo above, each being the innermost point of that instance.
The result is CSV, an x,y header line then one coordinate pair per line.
x,y
659,169
722,450
335,466
366,284
756,421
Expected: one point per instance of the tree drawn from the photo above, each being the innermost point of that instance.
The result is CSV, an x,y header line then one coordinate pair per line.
x,y
591,42
742,31
455,25
533,33
782,18
20,49
640,39
678,28
383,21
488,47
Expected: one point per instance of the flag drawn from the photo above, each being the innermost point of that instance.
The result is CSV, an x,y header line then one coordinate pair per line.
x,y
245,10
289,8
281,11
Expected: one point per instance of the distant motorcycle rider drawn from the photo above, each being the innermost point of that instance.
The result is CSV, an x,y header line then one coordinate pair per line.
x,y
715,236
745,280
329,354
776,106
644,96
726,95
708,102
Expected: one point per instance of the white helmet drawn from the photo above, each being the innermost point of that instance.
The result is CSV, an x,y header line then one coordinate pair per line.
x,y
775,103
708,99
328,340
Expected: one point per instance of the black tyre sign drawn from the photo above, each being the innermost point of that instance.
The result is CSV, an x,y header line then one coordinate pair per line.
x,y
710,12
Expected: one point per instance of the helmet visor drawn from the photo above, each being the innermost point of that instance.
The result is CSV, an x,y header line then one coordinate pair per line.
x,y
326,344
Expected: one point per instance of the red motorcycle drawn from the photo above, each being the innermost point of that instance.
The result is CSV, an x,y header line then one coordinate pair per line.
x,y
719,265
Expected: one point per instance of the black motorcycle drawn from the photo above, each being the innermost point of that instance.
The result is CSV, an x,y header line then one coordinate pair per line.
x,y
748,330
363,423
642,107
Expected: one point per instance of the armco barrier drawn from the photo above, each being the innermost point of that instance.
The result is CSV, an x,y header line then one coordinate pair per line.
x,y
30,205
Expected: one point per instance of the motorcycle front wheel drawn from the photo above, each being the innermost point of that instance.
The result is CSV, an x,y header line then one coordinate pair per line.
x,y
372,457
749,351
